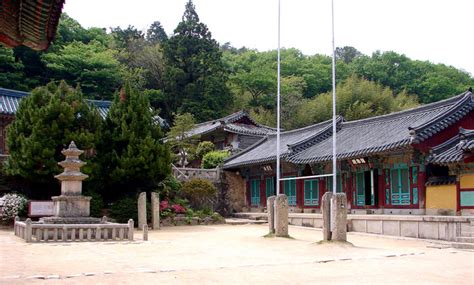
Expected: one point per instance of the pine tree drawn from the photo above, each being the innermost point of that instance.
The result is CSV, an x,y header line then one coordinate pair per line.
x,y
46,122
195,77
132,153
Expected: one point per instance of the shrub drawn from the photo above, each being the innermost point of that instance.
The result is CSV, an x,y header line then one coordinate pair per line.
x,y
199,192
214,159
169,188
204,148
96,204
124,209
13,205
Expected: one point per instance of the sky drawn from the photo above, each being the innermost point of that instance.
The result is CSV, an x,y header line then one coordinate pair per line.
x,y
440,31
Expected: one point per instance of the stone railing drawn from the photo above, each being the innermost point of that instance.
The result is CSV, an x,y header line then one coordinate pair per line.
x,y
184,174
38,232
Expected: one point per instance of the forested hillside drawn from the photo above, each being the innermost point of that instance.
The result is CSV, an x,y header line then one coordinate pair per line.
x,y
188,71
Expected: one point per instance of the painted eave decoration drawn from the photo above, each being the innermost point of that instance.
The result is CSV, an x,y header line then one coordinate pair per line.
x,y
31,23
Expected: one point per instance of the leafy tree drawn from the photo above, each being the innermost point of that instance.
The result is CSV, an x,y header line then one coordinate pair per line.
x,y
46,122
11,72
204,148
180,138
124,37
214,159
347,54
156,33
92,65
356,99
132,154
195,77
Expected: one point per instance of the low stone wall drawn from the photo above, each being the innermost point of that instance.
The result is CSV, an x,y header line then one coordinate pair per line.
x,y
420,226
39,232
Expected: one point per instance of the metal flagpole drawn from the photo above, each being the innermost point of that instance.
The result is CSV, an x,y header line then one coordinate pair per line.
x,y
334,161
278,109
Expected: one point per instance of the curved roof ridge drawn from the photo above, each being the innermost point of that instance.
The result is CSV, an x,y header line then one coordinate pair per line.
x,y
463,97
411,111
302,129
13,93
339,120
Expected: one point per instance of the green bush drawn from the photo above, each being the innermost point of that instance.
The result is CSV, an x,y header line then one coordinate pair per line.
x,y
204,148
96,204
169,188
214,159
124,209
199,192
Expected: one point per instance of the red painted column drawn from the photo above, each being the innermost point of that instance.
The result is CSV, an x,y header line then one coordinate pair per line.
x,y
421,189
381,190
458,196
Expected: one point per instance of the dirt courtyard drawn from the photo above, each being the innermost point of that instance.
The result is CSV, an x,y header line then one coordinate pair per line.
x,y
233,254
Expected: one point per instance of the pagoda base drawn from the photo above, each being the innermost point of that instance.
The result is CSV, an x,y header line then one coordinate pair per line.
x,y
71,206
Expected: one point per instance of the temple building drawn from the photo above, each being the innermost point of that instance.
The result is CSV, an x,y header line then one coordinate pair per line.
x,y
385,164
235,132
29,22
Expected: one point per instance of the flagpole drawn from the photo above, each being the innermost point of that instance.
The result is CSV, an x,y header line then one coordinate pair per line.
x,y
334,160
278,109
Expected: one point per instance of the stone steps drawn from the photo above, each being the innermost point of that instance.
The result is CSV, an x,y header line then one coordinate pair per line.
x,y
251,216
463,245
238,221
465,239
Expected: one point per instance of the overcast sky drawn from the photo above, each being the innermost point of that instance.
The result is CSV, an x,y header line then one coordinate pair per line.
x,y
440,31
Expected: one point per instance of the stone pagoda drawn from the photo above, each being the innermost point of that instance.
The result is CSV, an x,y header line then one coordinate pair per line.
x,y
71,207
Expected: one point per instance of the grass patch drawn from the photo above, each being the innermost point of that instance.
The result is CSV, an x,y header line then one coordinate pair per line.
x,y
334,242
272,235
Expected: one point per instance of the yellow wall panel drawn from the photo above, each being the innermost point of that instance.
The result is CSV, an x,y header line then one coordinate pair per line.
x,y
467,180
441,197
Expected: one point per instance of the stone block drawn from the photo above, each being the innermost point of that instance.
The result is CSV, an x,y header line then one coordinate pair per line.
x,y
271,214
339,217
374,227
71,206
391,228
142,210
326,211
155,211
428,230
409,229
359,226
318,223
281,215
297,221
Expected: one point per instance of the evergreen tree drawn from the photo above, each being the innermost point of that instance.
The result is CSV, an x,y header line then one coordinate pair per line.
x,y
46,122
132,154
195,77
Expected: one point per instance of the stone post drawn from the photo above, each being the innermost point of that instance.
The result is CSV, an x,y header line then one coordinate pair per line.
x,y
145,232
28,230
326,211
142,210
281,215
271,214
339,217
130,229
155,211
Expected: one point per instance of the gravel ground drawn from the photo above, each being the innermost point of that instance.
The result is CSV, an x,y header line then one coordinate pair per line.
x,y
234,254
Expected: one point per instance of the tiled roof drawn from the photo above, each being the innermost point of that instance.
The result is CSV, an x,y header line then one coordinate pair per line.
x,y
10,99
228,123
264,151
389,132
453,150
31,23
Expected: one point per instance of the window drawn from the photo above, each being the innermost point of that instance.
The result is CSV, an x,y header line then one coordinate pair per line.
x,y
311,192
255,192
400,186
269,187
290,191
338,186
